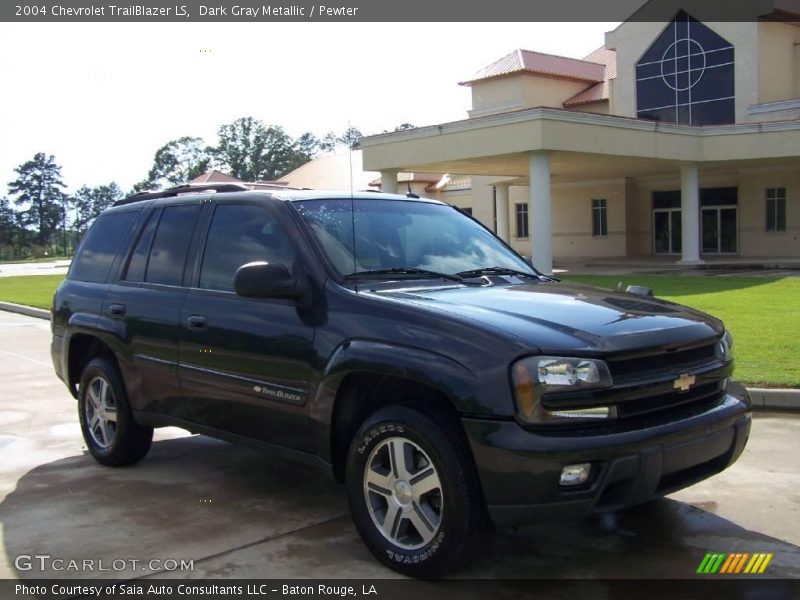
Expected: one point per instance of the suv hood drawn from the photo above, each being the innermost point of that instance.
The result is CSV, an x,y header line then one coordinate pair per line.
x,y
558,317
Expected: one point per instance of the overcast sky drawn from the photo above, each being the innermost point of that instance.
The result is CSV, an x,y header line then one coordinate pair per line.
x,y
103,98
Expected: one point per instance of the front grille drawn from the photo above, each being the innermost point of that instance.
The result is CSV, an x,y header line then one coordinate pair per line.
x,y
627,368
646,402
669,401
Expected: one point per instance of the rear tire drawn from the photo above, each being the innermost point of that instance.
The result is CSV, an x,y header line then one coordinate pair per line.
x,y
413,491
111,435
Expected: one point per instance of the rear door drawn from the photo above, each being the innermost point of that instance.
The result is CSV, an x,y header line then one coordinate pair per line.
x,y
148,299
245,362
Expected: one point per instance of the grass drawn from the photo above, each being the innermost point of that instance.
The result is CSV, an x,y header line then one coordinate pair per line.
x,y
31,290
762,314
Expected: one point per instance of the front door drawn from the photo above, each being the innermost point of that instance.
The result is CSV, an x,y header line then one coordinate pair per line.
x,y
719,230
667,230
245,363
718,226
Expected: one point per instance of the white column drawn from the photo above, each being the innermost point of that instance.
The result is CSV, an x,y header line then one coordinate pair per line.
x,y
501,191
539,212
389,182
690,215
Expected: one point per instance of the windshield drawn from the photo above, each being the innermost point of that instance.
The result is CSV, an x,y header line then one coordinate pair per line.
x,y
397,234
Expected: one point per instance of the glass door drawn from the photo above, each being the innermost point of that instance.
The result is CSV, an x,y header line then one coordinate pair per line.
x,y
719,230
667,231
710,230
727,230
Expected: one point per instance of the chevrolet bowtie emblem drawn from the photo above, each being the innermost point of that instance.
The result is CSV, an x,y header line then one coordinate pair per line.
x,y
684,382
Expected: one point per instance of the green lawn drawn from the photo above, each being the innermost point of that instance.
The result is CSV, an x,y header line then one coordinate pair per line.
x,y
762,313
32,290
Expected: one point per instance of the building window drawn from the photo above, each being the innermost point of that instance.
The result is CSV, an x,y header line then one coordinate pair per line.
x,y
521,210
466,210
599,216
686,76
776,209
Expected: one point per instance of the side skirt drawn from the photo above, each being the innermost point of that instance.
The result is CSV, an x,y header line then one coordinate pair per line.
x,y
159,420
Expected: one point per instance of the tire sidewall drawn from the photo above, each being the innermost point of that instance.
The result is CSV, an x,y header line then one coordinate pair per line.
x,y
406,423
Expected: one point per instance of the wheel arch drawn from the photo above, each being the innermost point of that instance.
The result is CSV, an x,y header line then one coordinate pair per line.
x,y
363,376
82,347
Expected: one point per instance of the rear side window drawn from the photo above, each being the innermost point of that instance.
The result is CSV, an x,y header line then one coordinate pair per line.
x,y
96,253
138,263
171,244
240,234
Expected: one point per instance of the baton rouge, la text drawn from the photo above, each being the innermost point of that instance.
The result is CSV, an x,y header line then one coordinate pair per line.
x,y
265,10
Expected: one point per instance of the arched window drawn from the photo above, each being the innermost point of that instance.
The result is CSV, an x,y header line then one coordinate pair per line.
x,y
686,76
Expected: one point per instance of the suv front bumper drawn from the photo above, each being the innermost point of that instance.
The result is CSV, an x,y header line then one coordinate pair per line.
x,y
520,468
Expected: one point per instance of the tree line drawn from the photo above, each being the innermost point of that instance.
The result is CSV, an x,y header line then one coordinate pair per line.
x,y
39,218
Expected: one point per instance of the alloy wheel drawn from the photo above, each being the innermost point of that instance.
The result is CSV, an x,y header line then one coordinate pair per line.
x,y
403,492
101,412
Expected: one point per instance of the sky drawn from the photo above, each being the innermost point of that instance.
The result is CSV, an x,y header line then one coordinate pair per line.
x,y
103,97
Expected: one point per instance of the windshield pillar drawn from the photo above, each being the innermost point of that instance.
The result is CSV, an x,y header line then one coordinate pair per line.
x,y
540,209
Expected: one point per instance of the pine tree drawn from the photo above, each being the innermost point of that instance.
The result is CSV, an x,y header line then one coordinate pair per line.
x,y
39,189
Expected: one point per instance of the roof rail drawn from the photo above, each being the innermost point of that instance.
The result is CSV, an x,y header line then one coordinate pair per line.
x,y
187,188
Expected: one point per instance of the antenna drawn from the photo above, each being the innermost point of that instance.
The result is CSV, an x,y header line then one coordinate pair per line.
x,y
352,199
350,156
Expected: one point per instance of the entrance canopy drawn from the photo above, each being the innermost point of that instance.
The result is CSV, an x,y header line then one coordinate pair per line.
x,y
538,146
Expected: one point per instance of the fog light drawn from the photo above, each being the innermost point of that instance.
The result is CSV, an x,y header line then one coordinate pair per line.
x,y
575,474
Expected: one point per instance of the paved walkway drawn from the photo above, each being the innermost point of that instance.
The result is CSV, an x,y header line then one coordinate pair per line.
x,y
54,267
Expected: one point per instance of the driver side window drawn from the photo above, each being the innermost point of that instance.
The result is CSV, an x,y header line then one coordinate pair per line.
x,y
239,234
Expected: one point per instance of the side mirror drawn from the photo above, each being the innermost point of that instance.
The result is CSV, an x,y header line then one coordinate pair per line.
x,y
265,280
640,290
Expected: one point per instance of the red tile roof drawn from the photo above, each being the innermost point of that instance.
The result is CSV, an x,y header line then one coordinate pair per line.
x,y
539,63
598,92
215,176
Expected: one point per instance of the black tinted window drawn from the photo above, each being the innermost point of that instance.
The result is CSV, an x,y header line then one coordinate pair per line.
x,y
96,252
138,263
240,234
171,244
687,76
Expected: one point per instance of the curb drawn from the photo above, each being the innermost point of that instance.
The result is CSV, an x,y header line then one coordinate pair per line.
x,y
762,398
767,399
29,311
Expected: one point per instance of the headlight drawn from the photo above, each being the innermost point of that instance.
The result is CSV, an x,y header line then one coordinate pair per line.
x,y
536,376
726,346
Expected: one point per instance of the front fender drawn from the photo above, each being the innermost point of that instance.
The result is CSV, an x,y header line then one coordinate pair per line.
x,y
449,377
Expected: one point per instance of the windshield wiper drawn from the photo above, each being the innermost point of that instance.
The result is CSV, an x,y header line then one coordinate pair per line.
x,y
495,271
402,271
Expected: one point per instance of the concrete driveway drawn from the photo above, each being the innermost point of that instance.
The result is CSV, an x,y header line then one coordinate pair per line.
x,y
238,513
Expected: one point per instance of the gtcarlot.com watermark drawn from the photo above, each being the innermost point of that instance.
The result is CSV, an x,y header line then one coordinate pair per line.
x,y
49,563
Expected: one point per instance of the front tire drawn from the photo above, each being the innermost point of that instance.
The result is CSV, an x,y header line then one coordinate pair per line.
x,y
111,435
413,491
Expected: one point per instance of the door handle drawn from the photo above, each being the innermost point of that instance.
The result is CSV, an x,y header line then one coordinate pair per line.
x,y
197,322
116,310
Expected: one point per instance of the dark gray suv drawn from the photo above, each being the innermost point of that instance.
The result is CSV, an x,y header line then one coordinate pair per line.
x,y
400,344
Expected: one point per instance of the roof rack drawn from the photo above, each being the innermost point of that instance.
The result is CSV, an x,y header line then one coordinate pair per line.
x,y
183,189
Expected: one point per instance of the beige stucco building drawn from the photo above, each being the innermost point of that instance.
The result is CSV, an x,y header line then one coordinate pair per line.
x,y
678,138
